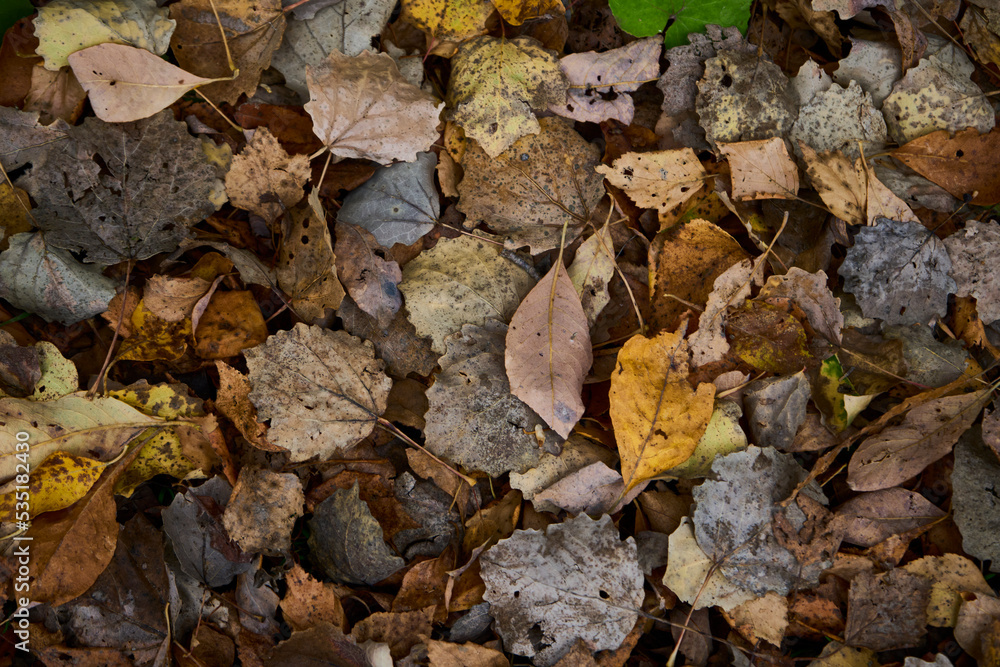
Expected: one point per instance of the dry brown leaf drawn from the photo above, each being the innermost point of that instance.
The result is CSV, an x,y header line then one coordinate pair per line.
x,y
658,417
309,602
369,272
362,107
264,179
548,351
443,654
125,83
661,180
762,169
965,164
233,400
55,95
307,269
173,299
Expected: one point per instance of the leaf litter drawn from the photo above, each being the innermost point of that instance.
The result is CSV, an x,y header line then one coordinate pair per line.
x,y
471,332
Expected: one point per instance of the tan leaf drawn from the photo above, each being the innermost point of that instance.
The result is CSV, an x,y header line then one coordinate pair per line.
x,y
310,602
306,265
173,299
660,179
592,269
369,272
126,83
264,179
55,95
322,390
658,418
233,400
762,169
548,351
363,108
443,654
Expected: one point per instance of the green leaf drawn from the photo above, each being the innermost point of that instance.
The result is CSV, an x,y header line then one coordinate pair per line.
x,y
644,18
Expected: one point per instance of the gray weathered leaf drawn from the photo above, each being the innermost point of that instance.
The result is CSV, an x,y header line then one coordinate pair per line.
x,y
23,140
50,283
973,252
125,190
399,204
776,408
576,580
347,541
473,419
974,500
929,362
898,271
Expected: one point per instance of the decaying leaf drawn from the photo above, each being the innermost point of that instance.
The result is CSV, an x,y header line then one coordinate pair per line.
x,y
347,541
971,252
964,164
977,509
595,77
548,351
495,85
841,119
887,611
307,269
262,511
810,292
693,577
369,272
576,580
399,204
729,290
898,272
473,418
927,433
66,26
592,270
661,179
537,185
322,390
135,187
870,518
761,169
658,417
461,281
776,408
363,108
264,178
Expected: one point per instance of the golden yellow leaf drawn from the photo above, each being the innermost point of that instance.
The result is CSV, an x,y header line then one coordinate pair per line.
x,y
153,338
56,483
516,12
448,20
658,418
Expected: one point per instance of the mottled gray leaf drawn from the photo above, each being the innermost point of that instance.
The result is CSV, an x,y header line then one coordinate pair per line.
x,y
887,611
193,522
576,580
734,520
399,204
898,271
929,362
973,252
433,509
473,419
23,140
124,190
975,499
347,541
50,283
776,408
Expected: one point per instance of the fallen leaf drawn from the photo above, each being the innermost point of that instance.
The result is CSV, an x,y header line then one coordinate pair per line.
x,y
267,532
929,362
951,575
548,351
810,292
347,542
127,84
592,269
963,164
369,272
723,435
326,643
50,282
444,654
322,390
461,281
776,408
265,179
473,418
24,140
173,299
708,344
310,603
887,611
64,27
841,119
765,618
399,204
253,32
876,66
976,619
593,489
928,432
156,182
550,581
231,323
761,169
397,344
693,577
55,95
347,27
529,191
768,338
744,97
577,453
870,518
658,418
898,272
307,269
497,83
977,511
735,521
594,77
363,108
661,179
516,12
400,630
56,483
970,251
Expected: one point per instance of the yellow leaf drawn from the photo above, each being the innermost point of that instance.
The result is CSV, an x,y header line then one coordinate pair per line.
x,y
56,483
448,20
65,26
658,418
516,12
126,83
153,338
495,84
